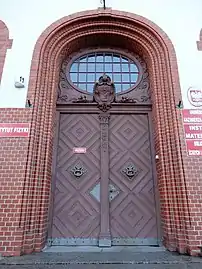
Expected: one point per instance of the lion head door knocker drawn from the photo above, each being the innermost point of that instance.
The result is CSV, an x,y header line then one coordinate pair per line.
x,y
104,92
130,171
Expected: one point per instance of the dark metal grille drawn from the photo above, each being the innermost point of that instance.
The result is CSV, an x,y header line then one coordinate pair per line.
x,y
87,69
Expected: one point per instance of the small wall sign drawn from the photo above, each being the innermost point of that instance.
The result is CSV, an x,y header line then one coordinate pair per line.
x,y
195,96
192,120
14,129
79,150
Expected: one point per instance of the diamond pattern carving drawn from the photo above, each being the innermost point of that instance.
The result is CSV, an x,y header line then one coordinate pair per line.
x,y
132,213
80,130
78,214
128,130
128,133
75,213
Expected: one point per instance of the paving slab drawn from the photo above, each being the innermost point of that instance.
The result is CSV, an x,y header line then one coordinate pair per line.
x,y
102,260
104,266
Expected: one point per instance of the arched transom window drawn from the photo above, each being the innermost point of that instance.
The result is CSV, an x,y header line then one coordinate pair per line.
x,y
87,69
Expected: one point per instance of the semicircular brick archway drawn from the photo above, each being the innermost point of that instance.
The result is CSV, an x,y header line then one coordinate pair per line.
x,y
133,33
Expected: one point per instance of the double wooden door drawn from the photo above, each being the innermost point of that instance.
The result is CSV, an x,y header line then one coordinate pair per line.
x,y
83,205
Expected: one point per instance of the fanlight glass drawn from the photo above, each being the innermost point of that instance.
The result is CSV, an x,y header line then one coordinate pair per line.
x,y
87,69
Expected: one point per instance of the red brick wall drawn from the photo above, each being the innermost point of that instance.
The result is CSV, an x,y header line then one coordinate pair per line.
x,y
13,165
178,176
5,43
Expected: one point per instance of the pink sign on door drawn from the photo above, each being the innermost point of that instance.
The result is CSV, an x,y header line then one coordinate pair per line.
x,y
79,150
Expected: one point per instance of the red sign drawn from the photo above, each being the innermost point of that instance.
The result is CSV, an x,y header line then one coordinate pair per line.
x,y
14,129
192,119
79,150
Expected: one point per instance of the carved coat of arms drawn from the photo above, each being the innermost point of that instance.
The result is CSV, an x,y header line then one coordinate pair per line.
x,y
104,92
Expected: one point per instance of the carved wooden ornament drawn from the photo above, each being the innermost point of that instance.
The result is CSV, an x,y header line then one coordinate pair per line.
x,y
104,93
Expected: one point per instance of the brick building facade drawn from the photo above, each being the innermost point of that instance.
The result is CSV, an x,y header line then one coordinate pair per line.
x,y
27,169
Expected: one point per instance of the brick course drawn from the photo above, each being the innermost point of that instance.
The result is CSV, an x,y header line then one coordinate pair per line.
x,y
25,221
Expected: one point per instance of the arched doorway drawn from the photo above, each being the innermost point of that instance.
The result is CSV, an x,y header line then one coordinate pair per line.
x,y
132,34
104,180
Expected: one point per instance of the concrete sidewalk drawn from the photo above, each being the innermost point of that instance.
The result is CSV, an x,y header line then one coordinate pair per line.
x,y
114,258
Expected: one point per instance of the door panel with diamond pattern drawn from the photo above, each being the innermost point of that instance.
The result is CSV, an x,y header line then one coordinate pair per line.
x,y
76,213
76,205
132,211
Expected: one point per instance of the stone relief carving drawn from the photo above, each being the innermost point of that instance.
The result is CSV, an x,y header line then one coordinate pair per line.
x,y
126,99
104,122
66,93
104,93
82,99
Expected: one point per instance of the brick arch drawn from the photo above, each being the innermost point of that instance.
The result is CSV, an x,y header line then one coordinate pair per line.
x,y
141,36
5,43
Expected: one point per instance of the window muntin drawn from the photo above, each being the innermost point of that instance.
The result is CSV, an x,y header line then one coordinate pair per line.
x,y
88,68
